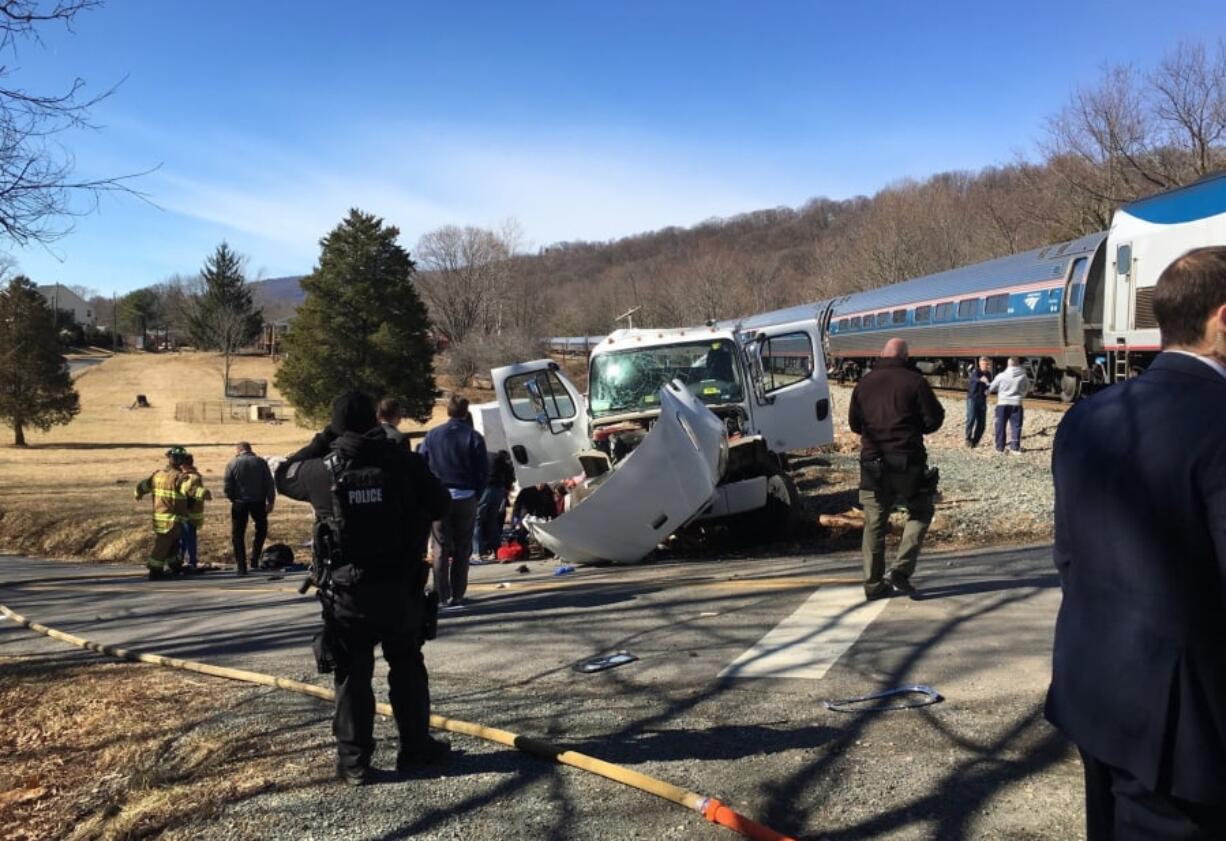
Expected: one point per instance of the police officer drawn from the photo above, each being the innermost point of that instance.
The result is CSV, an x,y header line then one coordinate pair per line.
x,y
374,502
892,409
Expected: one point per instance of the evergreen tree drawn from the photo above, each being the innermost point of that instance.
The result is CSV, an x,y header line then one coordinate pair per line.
x,y
224,317
139,311
35,387
361,326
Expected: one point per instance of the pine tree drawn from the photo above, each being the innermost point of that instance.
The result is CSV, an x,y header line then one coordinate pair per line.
x,y
362,325
35,387
224,317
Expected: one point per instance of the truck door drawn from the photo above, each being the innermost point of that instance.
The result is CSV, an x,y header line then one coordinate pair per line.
x,y
544,418
790,394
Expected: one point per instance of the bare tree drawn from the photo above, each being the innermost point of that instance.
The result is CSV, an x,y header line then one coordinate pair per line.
x,y
1134,134
1188,95
38,188
464,278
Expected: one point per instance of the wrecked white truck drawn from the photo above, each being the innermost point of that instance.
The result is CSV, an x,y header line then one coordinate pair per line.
x,y
677,425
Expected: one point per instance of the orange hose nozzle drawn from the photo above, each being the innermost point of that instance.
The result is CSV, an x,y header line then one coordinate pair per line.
x,y
716,812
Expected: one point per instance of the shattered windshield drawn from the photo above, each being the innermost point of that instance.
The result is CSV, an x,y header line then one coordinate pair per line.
x,y
629,380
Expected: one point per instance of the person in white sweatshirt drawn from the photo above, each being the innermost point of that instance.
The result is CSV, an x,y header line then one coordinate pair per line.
x,y
1010,386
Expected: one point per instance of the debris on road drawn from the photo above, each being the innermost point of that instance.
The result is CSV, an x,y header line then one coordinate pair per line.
x,y
606,661
847,705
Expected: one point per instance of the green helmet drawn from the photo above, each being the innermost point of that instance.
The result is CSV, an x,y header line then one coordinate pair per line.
x,y
176,454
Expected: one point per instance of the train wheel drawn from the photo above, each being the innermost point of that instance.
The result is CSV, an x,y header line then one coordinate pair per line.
x,y
1070,388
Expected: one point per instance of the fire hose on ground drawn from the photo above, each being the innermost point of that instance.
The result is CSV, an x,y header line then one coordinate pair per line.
x,y
709,807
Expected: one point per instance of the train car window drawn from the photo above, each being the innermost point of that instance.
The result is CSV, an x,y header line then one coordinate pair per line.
x,y
1123,259
842,324
883,319
899,316
855,322
786,360
1076,290
996,304
969,308
945,312
923,314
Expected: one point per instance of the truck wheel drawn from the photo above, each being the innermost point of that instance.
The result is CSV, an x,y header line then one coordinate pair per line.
x,y
1070,388
782,512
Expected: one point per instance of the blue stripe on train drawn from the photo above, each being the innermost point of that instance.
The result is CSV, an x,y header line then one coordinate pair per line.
x,y
1196,201
1019,305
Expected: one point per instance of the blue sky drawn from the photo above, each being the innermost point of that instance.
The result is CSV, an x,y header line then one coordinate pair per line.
x,y
268,120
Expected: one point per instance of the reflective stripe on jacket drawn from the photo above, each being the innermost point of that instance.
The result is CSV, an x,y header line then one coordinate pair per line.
x,y
169,504
192,487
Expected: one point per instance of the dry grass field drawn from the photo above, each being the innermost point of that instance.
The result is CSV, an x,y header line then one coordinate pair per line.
x,y
69,493
99,751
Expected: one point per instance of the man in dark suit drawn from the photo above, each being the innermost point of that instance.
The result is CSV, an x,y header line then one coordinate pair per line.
x,y
1138,672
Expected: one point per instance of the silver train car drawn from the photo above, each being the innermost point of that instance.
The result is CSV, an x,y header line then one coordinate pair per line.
x,y
1079,313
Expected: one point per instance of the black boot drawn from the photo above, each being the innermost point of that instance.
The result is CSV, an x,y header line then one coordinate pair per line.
x,y
429,752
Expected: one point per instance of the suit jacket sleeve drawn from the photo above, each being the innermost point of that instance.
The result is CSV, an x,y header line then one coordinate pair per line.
x,y
1215,509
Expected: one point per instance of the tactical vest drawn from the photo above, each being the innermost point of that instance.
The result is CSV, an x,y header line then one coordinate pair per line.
x,y
365,529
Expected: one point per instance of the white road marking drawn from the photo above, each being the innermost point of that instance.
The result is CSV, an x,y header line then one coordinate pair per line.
x,y
807,643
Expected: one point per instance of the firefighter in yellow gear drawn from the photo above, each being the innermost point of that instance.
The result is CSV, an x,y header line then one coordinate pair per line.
x,y
169,511
191,484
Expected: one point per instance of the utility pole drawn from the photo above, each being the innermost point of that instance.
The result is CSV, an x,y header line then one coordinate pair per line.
x,y
114,325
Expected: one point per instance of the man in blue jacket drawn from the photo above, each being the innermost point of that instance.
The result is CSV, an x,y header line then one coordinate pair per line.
x,y
1138,671
456,454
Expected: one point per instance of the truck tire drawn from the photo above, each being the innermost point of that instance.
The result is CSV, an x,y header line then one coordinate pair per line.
x,y
782,513
1070,388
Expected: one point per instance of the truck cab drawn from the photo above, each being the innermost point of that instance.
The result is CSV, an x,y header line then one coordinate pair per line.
x,y
763,391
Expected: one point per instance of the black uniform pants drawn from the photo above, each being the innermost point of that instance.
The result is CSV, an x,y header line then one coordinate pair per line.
x,y
239,512
1119,808
353,646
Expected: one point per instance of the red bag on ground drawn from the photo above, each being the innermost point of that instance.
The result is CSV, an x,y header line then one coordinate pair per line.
x,y
512,551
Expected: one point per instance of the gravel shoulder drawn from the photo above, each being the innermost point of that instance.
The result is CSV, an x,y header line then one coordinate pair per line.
x,y
986,498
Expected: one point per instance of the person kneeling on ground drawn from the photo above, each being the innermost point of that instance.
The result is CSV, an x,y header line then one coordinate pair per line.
x,y
374,502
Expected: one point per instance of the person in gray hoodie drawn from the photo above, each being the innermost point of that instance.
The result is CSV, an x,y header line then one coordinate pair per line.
x,y
1010,386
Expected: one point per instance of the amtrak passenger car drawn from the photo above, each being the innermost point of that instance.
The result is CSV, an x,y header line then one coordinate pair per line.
x,y
1079,313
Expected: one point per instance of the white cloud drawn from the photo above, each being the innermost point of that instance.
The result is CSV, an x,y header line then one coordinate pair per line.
x,y
577,185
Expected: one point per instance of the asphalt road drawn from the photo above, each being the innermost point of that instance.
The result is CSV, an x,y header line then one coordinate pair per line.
x,y
982,764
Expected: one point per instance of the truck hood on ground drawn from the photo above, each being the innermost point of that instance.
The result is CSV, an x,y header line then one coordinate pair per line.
x,y
668,479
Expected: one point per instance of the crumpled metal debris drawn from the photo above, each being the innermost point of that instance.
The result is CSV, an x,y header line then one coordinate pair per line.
x,y
929,697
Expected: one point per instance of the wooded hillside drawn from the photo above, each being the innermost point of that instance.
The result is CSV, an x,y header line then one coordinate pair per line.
x,y
1133,134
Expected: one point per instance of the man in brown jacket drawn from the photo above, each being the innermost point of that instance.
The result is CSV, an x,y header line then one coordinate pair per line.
x,y
892,408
